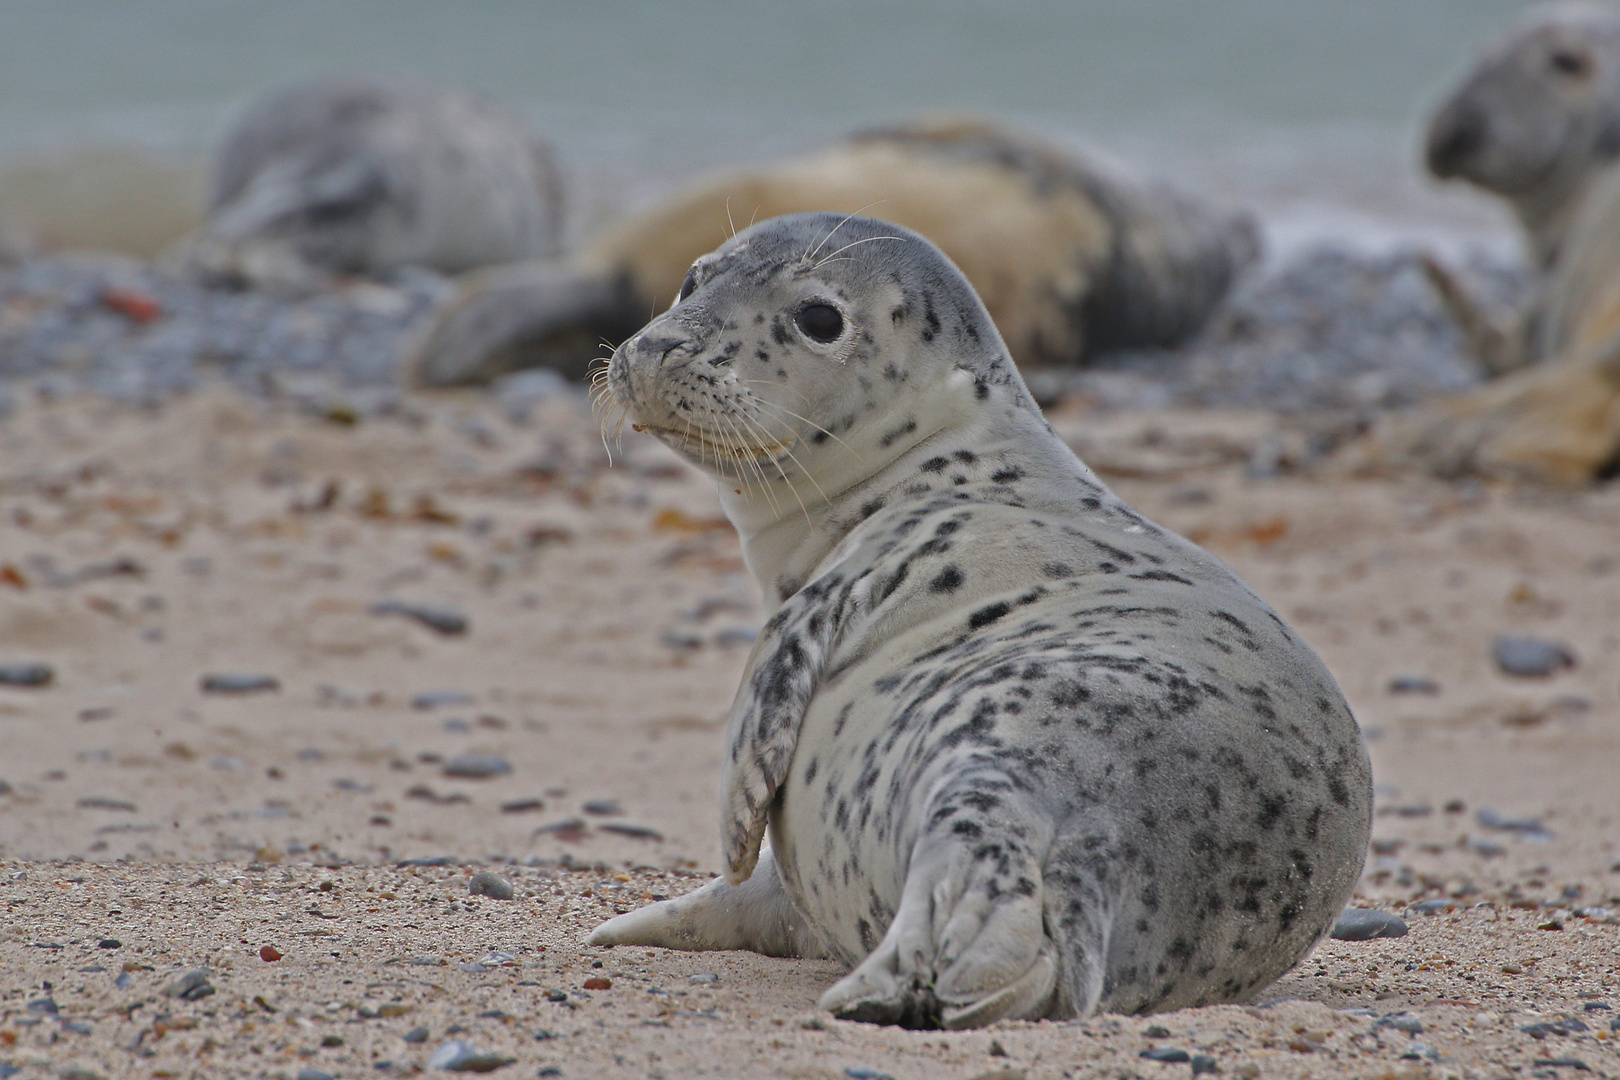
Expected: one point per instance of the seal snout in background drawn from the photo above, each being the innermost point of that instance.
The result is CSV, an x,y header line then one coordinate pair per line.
x,y
1537,122
1005,748
355,176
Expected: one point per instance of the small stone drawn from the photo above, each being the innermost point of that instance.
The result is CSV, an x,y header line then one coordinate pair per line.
x,y
1364,924
496,958
596,982
109,943
269,954
78,1027
96,802
310,1073
440,620
191,986
1527,828
459,1056
26,675
417,1034
1203,1063
440,699
1167,1054
1561,1063
603,808
1413,684
1435,907
239,683
1529,657
1402,1021
861,1072
124,981
331,1040
77,1072
1154,1031
477,766
428,861
634,832
522,806
43,1005
490,884
703,978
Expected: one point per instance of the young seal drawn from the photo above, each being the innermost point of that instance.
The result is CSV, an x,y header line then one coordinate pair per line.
x,y
1070,257
1538,122
365,176
1019,751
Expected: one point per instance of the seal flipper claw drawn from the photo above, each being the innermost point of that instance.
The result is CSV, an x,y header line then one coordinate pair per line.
x,y
755,915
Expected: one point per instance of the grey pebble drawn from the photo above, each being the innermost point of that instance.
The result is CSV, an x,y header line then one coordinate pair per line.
x,y
43,1005
309,1073
634,832
1413,684
124,981
603,808
30,675
5,788
109,943
1203,1063
1527,828
78,1027
861,1072
1167,1054
477,766
490,884
459,1056
191,986
1529,657
239,683
1435,907
417,1035
1402,1021
522,806
440,620
427,861
97,802
440,699
1364,924
704,978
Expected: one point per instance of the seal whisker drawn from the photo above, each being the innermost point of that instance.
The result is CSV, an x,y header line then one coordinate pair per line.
x,y
765,435
756,399
834,232
846,247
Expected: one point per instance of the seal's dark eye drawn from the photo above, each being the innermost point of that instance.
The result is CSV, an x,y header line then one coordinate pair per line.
x,y
686,287
820,322
1571,62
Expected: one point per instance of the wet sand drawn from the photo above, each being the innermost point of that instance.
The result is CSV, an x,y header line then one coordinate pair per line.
x,y
607,619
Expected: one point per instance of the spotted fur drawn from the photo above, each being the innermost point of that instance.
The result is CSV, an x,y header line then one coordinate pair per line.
x,y
1018,750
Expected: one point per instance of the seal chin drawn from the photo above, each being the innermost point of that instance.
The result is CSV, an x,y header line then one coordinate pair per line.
x,y
717,452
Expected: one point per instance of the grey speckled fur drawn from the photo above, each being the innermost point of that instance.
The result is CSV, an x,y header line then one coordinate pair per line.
x,y
1019,751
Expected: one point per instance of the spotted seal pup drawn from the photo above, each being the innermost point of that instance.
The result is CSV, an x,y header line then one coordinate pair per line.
x,y
1019,751
363,176
1072,256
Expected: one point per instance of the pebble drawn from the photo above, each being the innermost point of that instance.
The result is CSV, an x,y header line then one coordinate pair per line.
x,y
43,1005
5,788
417,1035
441,620
78,1027
1561,1063
861,1072
1435,907
1203,1063
496,958
1527,828
522,806
1402,1021
603,808
309,1073
191,986
97,802
1529,657
635,832
239,683
704,978
1364,924
109,943
1413,684
490,884
1561,1028
31,675
477,766
269,954
459,1056
441,699
596,982
1167,1054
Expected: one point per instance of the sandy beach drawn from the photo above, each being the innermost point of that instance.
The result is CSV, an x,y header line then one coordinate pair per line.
x,y
298,678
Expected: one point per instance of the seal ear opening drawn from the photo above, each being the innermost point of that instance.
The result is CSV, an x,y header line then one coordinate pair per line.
x,y
525,315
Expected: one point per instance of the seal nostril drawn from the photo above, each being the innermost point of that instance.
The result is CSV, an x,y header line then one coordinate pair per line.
x,y
1453,140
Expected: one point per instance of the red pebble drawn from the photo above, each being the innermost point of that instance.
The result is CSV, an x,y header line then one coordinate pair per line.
x,y
269,953
137,306
598,983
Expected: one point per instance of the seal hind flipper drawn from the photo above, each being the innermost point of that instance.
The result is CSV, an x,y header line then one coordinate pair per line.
x,y
756,915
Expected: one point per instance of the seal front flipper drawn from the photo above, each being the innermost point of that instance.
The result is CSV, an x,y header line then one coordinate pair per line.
x,y
756,915
782,673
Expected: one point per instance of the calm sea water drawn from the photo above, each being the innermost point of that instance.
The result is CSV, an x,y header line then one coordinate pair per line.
x,y
1306,108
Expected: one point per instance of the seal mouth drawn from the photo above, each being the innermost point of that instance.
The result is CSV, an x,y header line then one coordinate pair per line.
x,y
707,446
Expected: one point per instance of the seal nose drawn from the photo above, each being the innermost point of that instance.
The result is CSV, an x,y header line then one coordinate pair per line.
x,y
1456,135
658,348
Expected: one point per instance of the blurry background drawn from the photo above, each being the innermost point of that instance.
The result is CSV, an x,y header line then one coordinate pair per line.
x,y
1304,108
